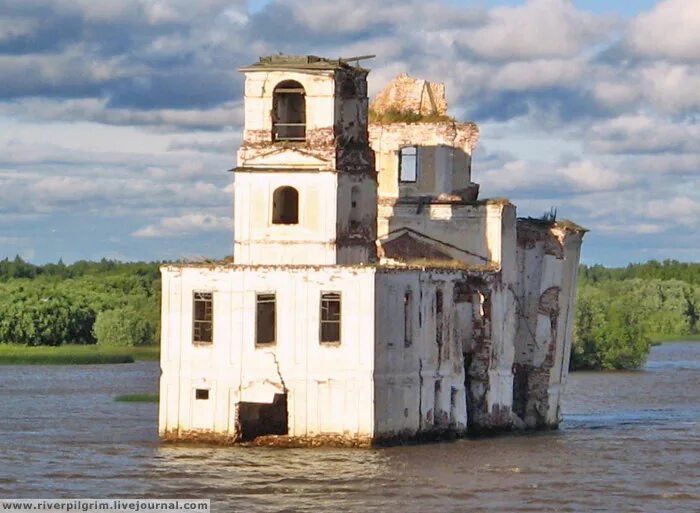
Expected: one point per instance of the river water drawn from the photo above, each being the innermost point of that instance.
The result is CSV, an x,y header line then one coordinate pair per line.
x,y
630,442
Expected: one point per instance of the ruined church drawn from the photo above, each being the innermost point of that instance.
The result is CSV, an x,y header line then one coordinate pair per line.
x,y
374,295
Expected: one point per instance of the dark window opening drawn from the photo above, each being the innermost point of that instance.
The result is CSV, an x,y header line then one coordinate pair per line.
x,y
201,394
348,88
408,319
355,214
438,323
289,112
265,321
453,406
330,317
285,206
354,196
437,411
408,164
258,419
203,318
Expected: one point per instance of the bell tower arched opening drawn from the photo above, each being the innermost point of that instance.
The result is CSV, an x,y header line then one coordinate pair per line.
x,y
285,206
289,112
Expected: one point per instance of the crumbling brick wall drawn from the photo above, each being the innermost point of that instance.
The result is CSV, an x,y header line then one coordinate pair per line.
x,y
545,296
407,93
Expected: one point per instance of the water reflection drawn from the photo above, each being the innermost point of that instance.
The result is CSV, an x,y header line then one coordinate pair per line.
x,y
630,442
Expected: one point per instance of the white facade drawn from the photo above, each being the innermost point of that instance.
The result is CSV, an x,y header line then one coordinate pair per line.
x,y
321,380
362,307
368,386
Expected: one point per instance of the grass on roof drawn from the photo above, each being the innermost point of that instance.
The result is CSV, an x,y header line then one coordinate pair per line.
x,y
394,115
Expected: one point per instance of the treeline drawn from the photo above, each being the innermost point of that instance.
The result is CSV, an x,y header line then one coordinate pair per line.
x,y
105,302
620,311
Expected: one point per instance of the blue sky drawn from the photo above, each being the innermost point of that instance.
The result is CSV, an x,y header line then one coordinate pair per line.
x,y
119,118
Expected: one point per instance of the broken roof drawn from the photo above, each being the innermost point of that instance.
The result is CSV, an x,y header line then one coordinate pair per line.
x,y
407,94
280,61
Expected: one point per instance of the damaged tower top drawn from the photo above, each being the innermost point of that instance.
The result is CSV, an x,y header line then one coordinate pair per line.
x,y
283,61
408,94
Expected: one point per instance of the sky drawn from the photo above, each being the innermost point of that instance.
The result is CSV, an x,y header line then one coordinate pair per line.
x,y
119,118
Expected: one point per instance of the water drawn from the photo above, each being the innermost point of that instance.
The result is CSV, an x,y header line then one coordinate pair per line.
x,y
630,442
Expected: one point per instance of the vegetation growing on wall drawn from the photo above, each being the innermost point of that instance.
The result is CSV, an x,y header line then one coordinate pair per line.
x,y
394,115
619,311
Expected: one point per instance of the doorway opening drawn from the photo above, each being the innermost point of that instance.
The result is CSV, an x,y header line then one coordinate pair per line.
x,y
258,419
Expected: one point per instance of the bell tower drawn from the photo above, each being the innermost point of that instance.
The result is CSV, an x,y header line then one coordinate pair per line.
x,y
305,184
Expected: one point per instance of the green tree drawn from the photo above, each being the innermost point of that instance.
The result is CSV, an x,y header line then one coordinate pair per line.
x,y
610,331
45,319
123,327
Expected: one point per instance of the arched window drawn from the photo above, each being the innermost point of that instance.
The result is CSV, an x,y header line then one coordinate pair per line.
x,y
285,206
289,112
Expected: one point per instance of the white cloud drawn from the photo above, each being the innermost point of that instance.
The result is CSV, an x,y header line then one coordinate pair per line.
x,y
627,228
671,30
674,88
537,73
589,117
98,111
345,17
581,176
587,175
509,176
681,209
538,29
643,133
185,225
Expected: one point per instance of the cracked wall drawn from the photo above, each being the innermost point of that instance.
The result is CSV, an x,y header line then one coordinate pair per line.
x,y
455,375
328,389
547,263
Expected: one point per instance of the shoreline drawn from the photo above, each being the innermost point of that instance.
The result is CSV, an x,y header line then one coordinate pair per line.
x,y
11,354
680,338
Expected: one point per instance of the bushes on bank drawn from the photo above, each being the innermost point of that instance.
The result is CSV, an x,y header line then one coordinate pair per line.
x,y
609,332
124,327
619,312
45,320
57,304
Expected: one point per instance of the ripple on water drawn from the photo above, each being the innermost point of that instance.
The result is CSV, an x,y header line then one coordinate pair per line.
x,y
629,443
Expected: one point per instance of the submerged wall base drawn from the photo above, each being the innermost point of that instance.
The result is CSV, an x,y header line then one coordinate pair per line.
x,y
331,440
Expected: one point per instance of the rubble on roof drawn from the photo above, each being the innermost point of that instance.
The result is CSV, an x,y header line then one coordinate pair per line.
x,y
411,95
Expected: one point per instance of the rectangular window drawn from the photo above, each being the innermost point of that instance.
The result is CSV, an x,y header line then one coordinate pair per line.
x,y
265,319
330,317
438,319
203,318
201,394
408,164
407,319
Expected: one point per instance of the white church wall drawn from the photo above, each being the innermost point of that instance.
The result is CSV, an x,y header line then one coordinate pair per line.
x,y
328,386
565,323
446,162
478,233
547,262
310,241
419,379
